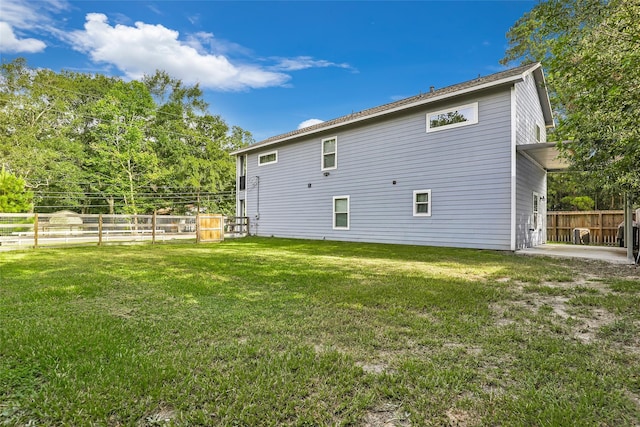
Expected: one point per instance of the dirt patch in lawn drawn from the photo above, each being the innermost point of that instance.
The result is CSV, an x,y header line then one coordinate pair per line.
x,y
387,415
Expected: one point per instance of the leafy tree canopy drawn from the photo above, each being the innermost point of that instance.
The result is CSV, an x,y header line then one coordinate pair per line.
x,y
589,49
99,144
14,197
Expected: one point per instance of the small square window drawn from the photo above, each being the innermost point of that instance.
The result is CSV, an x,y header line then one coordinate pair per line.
x,y
422,203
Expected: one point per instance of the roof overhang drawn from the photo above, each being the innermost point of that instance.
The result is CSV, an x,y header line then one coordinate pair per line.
x,y
363,116
545,102
546,154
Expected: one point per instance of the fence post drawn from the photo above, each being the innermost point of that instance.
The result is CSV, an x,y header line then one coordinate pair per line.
x,y
99,229
601,228
35,230
153,227
197,228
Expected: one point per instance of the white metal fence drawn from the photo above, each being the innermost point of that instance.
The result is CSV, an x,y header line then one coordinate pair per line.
x,y
61,228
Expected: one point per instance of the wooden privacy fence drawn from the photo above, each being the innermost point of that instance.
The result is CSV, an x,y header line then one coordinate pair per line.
x,y
62,228
210,228
602,225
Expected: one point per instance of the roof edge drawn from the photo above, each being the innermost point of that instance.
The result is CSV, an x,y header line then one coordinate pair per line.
x,y
535,68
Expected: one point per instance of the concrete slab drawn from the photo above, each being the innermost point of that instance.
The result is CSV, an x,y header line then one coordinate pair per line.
x,y
610,254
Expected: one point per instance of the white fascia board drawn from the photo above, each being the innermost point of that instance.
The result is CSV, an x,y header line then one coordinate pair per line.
x,y
512,79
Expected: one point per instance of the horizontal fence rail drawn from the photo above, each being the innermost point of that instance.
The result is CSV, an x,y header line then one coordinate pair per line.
x,y
46,229
602,226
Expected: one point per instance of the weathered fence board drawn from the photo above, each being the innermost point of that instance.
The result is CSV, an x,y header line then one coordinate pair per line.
x,y
602,225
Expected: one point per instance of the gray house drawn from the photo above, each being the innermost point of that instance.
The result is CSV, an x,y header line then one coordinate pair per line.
x,y
461,166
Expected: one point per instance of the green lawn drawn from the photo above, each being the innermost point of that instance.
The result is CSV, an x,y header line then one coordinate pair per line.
x,y
262,331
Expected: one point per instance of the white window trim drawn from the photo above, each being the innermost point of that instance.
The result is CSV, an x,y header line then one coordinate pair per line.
x,y
333,208
267,154
535,216
414,204
473,121
335,166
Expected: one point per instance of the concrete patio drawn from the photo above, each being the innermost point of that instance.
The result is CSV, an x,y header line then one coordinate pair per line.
x,y
614,255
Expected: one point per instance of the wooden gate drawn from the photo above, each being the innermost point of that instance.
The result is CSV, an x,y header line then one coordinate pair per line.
x,y
210,228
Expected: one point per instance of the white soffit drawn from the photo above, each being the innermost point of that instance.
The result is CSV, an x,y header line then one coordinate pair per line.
x,y
546,154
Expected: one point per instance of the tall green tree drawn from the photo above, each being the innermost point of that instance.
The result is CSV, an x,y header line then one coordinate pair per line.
x,y
35,117
193,145
121,158
42,122
589,49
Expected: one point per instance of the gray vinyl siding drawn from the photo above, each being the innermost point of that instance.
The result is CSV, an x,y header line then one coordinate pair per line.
x,y
528,112
467,170
530,177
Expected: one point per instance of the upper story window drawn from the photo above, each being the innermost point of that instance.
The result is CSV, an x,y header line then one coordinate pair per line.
x,y
422,203
452,117
242,181
268,158
330,153
538,133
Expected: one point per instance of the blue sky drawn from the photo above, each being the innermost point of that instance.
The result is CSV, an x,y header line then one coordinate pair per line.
x,y
269,66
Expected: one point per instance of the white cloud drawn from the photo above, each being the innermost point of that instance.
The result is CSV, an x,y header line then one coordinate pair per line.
x,y
141,48
309,122
20,17
304,62
25,15
145,48
9,43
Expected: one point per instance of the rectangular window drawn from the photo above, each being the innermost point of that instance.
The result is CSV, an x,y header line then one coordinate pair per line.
x,y
422,203
268,158
330,153
242,182
538,133
341,212
536,211
452,117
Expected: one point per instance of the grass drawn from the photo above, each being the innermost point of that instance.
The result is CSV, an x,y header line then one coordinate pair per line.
x,y
290,332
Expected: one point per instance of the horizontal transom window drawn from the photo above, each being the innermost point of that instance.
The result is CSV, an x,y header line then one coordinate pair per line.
x,y
268,158
462,115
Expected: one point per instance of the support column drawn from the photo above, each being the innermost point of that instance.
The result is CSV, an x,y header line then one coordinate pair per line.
x,y
628,228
